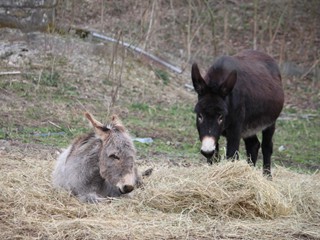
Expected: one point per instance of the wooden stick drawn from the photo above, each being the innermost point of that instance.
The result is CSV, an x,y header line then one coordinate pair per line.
x,y
56,125
10,73
310,69
138,50
99,36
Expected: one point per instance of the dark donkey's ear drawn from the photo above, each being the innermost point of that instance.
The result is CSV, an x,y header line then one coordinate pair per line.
x,y
228,84
199,84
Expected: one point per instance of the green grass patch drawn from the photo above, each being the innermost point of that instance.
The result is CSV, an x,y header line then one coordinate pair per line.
x,y
163,75
58,137
171,127
22,88
297,141
50,79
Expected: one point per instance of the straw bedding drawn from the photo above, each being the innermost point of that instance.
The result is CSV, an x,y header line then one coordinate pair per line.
x,y
224,201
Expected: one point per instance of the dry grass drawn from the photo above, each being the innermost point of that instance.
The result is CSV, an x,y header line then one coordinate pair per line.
x,y
225,201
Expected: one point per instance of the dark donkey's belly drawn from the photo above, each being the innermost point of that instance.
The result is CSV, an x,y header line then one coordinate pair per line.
x,y
258,121
249,131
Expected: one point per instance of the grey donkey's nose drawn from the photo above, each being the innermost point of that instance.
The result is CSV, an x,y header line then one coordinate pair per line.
x,y
126,189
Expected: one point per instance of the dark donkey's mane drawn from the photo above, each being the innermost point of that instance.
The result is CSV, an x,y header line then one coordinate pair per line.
x,y
245,93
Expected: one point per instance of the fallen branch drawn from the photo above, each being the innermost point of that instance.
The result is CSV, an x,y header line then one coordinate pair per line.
x,y
52,123
138,50
10,73
310,69
84,33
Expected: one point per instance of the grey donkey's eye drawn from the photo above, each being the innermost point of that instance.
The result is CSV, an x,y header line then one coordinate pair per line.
x,y
113,156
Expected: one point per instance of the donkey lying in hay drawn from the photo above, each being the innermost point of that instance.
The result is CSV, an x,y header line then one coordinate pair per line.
x,y
99,164
238,97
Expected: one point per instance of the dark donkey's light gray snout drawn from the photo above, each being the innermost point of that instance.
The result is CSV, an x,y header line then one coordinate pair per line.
x,y
208,148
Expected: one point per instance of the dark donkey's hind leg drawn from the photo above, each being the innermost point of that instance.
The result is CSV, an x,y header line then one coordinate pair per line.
x,y
267,148
252,147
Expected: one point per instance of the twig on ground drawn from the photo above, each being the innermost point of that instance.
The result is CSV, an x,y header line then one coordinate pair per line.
x,y
10,73
52,123
310,69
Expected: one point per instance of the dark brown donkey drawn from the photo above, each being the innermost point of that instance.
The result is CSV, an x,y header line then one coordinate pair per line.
x,y
239,96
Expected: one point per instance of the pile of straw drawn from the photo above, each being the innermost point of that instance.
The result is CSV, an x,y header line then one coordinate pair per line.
x,y
231,189
230,200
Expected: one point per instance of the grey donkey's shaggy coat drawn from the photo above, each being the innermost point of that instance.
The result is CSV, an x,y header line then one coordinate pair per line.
x,y
99,164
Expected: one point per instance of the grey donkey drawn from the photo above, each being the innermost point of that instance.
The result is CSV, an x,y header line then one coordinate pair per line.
x,y
99,164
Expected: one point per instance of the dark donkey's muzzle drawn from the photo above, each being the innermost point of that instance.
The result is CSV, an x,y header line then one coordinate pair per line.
x,y
208,156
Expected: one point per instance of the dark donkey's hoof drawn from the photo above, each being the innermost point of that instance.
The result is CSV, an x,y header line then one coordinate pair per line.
x,y
267,174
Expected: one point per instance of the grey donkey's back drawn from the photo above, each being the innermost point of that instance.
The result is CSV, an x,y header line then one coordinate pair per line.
x,y
99,164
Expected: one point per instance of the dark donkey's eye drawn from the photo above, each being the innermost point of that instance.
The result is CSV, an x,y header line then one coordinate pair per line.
x,y
220,119
200,118
113,156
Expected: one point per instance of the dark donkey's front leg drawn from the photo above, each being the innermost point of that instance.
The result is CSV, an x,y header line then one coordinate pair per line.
x,y
267,148
252,147
233,142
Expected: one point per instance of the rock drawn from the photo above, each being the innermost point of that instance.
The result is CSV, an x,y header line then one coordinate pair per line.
x,y
27,15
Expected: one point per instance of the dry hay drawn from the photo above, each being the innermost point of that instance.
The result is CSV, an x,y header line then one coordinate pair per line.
x,y
224,201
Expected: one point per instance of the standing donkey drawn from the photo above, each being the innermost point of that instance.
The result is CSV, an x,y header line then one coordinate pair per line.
x,y
99,164
239,96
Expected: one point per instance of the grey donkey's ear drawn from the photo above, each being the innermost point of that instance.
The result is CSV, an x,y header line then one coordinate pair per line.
x,y
116,122
99,128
